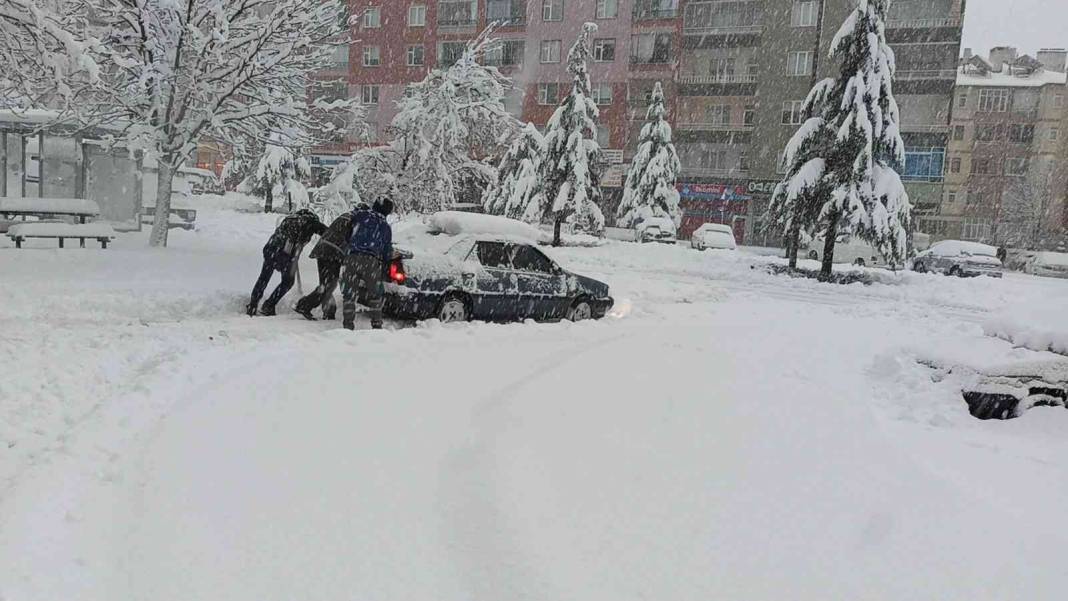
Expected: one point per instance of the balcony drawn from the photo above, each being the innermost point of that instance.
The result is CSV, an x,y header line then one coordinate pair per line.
x,y
652,14
717,78
457,25
752,28
651,60
923,23
926,74
706,126
925,128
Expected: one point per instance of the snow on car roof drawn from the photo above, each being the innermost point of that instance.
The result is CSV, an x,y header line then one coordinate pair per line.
x,y
1052,258
457,223
957,247
717,227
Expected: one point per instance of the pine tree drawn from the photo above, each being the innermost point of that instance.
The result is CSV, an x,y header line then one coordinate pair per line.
x,y
650,187
517,179
570,170
842,163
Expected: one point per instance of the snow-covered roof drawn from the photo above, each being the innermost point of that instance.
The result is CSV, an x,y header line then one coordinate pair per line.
x,y
1006,80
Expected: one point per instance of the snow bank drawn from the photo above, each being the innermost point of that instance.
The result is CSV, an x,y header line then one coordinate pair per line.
x,y
1039,328
455,223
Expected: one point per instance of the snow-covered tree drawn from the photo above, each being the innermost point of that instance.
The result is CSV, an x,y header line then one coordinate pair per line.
x,y
517,179
570,168
650,187
842,163
445,125
280,173
340,194
177,70
44,53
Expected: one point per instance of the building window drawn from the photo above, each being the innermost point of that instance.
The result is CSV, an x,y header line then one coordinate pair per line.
x,y
714,159
604,136
743,162
550,51
372,56
924,164
416,56
1053,134
993,101
954,165
604,50
1058,101
719,114
1016,167
372,17
548,93
749,115
722,15
982,167
951,198
417,15
988,133
1021,134
505,11
792,112
457,13
607,9
804,14
602,93
650,48
958,132
450,52
962,100
975,229
369,94
552,10
722,67
799,63
507,54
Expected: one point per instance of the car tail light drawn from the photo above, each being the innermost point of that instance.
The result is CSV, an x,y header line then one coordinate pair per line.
x,y
396,272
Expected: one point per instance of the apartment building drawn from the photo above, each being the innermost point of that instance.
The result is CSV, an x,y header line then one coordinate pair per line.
x,y
1005,173
734,71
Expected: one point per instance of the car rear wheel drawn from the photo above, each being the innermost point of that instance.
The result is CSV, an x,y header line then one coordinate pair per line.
x,y
859,262
581,310
919,267
453,308
815,256
955,270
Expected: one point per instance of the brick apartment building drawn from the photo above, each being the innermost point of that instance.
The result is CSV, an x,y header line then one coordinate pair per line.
x,y
734,72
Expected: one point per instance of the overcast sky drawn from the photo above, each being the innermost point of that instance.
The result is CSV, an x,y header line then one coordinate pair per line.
x,y
1026,24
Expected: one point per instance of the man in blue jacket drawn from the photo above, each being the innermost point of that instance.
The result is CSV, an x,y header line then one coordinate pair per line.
x,y
370,251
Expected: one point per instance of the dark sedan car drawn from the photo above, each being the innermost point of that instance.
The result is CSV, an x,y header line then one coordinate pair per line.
x,y
491,280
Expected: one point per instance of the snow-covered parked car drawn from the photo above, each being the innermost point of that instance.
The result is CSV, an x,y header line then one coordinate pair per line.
x,y
460,223
847,249
713,235
1048,264
491,279
657,229
959,258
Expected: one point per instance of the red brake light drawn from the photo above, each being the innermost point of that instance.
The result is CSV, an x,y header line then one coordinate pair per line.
x,y
396,272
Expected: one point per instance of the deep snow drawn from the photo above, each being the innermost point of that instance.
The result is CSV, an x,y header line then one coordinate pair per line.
x,y
724,433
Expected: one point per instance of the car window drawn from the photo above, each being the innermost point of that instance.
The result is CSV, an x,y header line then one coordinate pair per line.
x,y
528,258
493,254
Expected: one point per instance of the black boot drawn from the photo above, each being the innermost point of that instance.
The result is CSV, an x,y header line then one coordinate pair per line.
x,y
250,309
267,311
348,325
306,313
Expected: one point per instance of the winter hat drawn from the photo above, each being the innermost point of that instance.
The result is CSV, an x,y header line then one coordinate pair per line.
x,y
384,206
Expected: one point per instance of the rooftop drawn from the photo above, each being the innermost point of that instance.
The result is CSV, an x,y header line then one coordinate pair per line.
x,y
1037,79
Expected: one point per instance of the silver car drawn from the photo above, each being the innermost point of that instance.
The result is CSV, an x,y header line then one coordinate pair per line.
x,y
959,258
1048,264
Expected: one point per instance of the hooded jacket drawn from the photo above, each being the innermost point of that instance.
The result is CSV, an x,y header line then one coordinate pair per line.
x,y
334,243
371,235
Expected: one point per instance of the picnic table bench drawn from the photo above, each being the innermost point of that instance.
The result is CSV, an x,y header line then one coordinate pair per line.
x,y
80,208
102,232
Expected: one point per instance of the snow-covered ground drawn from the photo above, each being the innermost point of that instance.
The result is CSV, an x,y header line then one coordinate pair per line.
x,y
723,434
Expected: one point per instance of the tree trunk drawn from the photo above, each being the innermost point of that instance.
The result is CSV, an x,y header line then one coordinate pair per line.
x,y
793,240
164,182
828,247
556,230
268,203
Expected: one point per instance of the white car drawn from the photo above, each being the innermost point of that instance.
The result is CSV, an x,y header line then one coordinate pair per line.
x,y
656,229
959,258
713,235
1048,264
847,249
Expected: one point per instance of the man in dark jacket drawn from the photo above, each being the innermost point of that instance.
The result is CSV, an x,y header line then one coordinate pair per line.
x,y
280,254
370,251
329,254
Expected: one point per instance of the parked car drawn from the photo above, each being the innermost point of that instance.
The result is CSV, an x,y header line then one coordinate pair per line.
x,y
657,229
847,249
491,279
1048,264
713,235
200,181
959,258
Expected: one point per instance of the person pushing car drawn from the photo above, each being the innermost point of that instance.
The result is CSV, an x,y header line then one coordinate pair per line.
x,y
280,254
329,254
367,263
